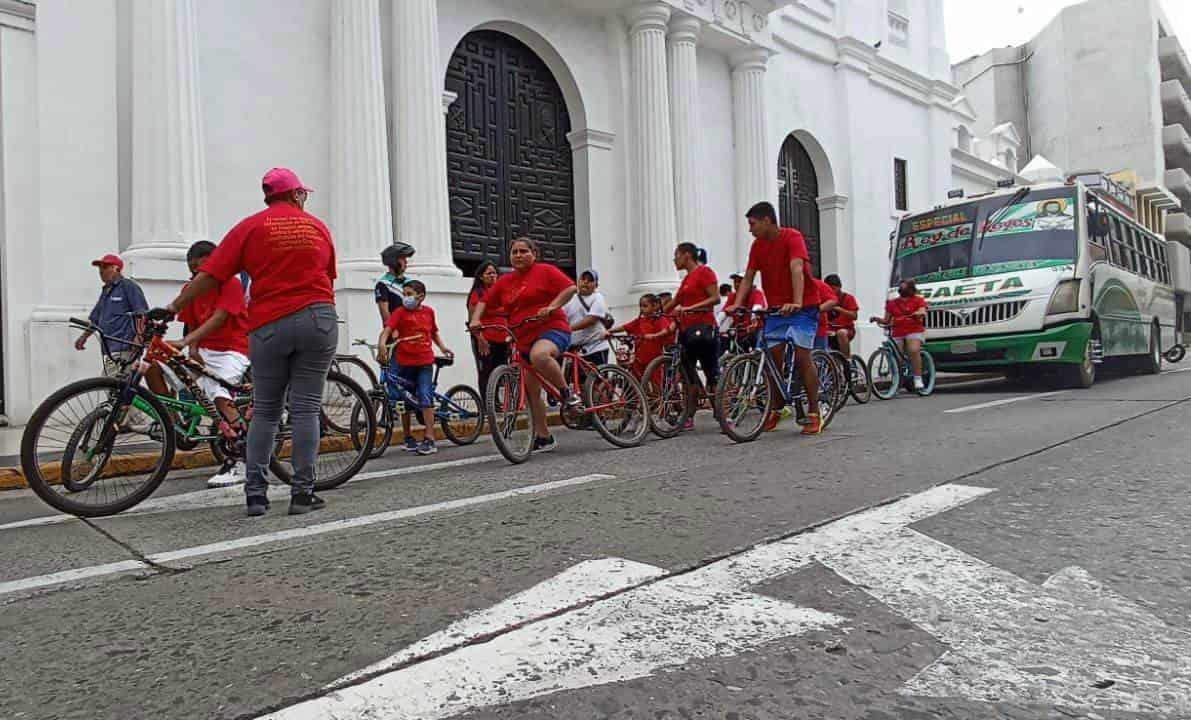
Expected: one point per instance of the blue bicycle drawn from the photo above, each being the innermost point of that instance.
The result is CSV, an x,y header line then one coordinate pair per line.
x,y
889,367
459,411
750,382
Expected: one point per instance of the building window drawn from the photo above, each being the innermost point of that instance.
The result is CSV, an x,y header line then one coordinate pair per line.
x,y
901,195
963,139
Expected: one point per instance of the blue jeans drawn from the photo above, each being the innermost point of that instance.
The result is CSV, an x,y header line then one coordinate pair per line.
x,y
294,352
421,379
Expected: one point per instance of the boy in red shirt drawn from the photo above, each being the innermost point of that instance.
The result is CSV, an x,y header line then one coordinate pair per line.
x,y
652,330
779,254
412,327
827,303
842,323
906,315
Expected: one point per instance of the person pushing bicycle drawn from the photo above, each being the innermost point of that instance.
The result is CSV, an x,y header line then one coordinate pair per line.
x,y
779,254
905,316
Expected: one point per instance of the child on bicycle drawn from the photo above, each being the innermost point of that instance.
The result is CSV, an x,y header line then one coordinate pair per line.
x,y
652,330
411,328
905,315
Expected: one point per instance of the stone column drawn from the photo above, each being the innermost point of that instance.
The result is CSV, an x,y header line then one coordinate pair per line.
x,y
653,165
361,211
420,140
169,178
684,112
755,170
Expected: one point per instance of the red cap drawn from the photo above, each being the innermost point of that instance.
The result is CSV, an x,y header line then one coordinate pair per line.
x,y
281,180
109,259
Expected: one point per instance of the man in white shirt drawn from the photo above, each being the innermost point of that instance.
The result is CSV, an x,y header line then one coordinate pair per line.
x,y
586,312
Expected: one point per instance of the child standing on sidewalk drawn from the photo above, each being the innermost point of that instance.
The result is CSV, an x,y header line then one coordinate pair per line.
x,y
411,328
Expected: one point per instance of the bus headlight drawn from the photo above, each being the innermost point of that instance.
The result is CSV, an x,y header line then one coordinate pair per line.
x,y
1065,298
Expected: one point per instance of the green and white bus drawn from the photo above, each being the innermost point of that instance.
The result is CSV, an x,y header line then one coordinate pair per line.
x,y
1053,276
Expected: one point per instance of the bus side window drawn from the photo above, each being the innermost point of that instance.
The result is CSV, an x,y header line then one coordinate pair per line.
x,y
1114,243
1096,249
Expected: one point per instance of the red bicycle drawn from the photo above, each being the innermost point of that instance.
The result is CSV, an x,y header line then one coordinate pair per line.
x,y
612,398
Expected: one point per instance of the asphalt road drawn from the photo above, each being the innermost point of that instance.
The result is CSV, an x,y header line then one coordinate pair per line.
x,y
990,552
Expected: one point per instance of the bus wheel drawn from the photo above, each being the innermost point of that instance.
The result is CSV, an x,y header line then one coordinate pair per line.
x,y
1151,364
1083,374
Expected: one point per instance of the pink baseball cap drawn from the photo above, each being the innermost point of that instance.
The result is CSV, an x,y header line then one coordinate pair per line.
x,y
280,180
109,259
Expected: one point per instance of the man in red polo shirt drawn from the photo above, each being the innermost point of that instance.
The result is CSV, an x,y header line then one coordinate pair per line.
x,y
842,323
779,254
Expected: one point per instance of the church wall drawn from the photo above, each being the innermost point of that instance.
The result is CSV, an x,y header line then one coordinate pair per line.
x,y
721,228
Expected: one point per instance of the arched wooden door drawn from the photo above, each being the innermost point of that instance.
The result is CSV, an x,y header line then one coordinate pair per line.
x,y
798,190
509,161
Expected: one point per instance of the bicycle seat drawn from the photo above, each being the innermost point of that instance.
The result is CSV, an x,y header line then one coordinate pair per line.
x,y
443,362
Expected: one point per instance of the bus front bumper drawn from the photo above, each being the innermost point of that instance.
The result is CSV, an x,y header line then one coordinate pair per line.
x,y
1060,344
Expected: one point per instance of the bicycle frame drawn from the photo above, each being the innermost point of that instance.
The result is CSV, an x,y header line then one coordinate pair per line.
x,y
445,410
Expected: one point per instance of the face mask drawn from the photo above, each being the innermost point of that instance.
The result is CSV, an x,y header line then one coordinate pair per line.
x,y
410,303
905,292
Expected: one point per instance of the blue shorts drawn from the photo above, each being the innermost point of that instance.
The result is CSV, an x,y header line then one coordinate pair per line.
x,y
561,340
799,328
821,342
421,379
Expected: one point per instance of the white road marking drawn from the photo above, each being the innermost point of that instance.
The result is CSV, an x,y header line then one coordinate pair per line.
x,y
231,496
66,576
656,626
228,546
1005,401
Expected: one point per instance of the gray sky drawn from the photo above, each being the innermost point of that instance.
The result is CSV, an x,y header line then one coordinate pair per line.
x,y
974,26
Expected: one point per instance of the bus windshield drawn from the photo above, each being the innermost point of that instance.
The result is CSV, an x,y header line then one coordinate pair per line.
x,y
959,241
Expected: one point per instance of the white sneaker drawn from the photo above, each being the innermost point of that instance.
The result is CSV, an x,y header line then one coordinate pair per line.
x,y
918,383
232,476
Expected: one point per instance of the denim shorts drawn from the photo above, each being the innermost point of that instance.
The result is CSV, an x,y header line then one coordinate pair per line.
x,y
421,377
799,328
561,340
821,342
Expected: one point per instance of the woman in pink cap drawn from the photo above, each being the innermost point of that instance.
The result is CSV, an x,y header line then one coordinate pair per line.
x,y
292,325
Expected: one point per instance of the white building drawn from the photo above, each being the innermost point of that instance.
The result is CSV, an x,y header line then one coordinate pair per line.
x,y
608,129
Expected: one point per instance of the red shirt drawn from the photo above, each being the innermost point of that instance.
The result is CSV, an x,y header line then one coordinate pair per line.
x,y
846,302
648,349
289,255
523,294
418,325
756,298
492,316
900,310
826,293
772,258
694,290
233,335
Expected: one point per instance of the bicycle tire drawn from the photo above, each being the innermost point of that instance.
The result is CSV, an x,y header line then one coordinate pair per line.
x,y
830,386
455,395
571,419
636,418
738,390
928,375
844,391
884,372
669,408
41,485
360,402
355,365
84,433
383,413
504,385
860,385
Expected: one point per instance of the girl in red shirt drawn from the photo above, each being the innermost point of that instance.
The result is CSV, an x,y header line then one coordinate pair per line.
x,y
693,306
905,315
652,330
534,293
496,353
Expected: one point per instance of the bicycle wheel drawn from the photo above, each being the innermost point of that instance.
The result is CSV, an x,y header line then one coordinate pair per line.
x,y
928,375
461,415
383,413
571,419
666,391
884,373
745,396
357,369
344,446
509,418
860,385
831,386
625,419
112,456
841,371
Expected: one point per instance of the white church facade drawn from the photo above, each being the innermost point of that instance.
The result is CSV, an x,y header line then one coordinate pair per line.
x,y
609,130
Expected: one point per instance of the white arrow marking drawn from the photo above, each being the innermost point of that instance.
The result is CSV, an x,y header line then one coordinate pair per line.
x,y
661,625
1012,640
